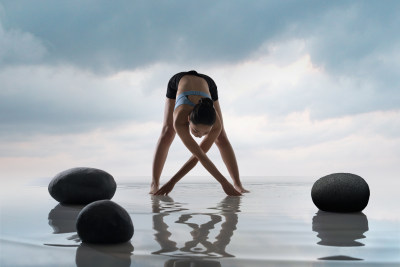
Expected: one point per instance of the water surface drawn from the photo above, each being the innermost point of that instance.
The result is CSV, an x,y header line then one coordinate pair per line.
x,y
197,225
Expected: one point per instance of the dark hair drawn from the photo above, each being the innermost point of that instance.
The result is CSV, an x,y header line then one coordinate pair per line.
x,y
203,112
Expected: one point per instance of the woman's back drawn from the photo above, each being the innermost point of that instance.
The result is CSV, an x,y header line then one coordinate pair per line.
x,y
191,87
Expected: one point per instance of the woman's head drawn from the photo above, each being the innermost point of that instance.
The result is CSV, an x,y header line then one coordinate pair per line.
x,y
202,118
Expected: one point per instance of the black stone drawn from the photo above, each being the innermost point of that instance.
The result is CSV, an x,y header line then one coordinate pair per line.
x,y
82,186
340,192
104,222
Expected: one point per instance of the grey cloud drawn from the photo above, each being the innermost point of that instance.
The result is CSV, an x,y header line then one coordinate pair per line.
x,y
356,45
114,35
326,98
345,36
19,47
37,100
353,41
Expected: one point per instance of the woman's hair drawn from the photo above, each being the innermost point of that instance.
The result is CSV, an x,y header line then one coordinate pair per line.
x,y
203,112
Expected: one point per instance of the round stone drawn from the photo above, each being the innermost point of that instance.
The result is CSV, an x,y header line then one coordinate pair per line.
x,y
340,192
82,186
104,222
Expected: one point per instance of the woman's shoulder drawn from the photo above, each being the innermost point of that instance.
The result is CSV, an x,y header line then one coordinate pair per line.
x,y
210,81
180,118
182,112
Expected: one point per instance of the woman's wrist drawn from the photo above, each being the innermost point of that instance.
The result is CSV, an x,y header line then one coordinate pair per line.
x,y
224,182
176,179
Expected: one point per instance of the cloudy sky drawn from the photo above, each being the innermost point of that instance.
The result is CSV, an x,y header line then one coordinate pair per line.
x,y
307,88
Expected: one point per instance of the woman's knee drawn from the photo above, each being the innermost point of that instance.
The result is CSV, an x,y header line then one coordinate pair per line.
x,y
222,139
168,133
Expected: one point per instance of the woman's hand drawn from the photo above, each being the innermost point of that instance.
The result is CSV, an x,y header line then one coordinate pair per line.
x,y
230,190
165,189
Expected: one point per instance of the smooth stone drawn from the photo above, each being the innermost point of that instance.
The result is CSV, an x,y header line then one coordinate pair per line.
x,y
82,185
340,192
104,222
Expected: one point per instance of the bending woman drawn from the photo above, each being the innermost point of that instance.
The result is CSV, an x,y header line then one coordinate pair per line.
x,y
192,107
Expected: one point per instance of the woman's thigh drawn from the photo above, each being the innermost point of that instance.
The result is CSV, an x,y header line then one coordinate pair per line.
x,y
219,112
222,135
168,112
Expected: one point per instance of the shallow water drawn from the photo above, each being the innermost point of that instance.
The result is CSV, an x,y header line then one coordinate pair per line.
x,y
197,225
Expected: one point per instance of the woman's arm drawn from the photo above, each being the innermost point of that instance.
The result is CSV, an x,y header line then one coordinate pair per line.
x,y
205,145
198,155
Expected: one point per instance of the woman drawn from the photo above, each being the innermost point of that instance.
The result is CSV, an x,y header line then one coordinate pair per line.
x,y
192,107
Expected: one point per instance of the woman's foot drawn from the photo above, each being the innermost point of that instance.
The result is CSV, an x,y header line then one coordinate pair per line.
x,y
230,190
241,189
154,188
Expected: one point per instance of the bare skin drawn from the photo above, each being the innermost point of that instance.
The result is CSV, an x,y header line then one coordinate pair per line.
x,y
178,122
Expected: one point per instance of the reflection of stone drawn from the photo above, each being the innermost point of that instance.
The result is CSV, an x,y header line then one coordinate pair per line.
x,y
191,263
62,218
200,245
340,258
88,255
340,229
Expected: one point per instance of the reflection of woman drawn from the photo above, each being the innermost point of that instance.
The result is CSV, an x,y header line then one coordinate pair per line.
x,y
192,107
228,209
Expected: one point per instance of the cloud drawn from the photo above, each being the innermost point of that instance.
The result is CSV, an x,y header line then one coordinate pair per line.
x,y
281,78
276,80
17,47
355,43
299,130
125,150
312,85
105,36
346,37
42,99
366,144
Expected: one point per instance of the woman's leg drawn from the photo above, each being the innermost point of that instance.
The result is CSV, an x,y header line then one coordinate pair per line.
x,y
163,144
227,153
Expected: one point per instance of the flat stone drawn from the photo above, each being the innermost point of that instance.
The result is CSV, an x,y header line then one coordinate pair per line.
x,y
104,222
82,185
340,192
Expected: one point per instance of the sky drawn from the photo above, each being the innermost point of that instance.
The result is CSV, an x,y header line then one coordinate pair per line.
x,y
306,88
